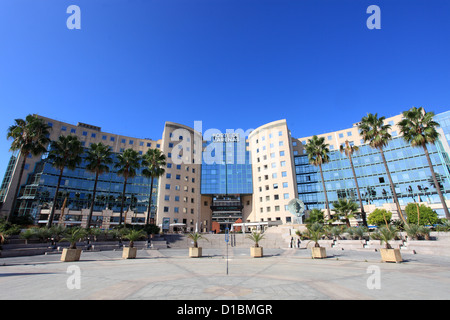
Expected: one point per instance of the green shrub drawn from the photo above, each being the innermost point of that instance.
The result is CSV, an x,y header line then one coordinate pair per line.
x,y
378,216
426,215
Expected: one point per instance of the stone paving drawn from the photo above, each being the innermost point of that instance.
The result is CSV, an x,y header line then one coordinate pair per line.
x,y
169,274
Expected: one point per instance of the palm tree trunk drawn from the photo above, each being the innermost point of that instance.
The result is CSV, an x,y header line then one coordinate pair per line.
x,y
123,198
327,206
16,194
347,221
394,194
52,213
150,202
436,183
363,213
91,209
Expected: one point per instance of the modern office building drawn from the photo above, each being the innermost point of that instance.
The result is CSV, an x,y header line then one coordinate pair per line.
x,y
214,179
408,167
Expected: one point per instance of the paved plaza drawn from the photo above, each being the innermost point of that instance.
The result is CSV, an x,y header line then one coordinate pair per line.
x,y
169,274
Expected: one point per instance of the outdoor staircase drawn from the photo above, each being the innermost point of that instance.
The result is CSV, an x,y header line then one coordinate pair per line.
x,y
158,242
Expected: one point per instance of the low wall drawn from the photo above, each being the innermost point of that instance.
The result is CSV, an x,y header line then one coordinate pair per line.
x,y
239,240
275,239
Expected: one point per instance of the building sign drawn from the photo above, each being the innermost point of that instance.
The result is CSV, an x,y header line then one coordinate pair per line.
x,y
166,223
225,137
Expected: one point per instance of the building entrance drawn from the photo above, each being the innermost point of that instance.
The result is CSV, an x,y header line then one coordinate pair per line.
x,y
226,210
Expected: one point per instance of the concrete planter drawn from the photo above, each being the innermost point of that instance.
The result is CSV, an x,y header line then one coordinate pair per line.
x,y
391,255
129,253
195,252
318,252
256,252
69,255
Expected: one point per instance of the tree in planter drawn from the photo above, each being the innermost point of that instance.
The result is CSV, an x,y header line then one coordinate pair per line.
x,y
133,235
195,237
315,232
256,237
195,250
74,235
385,235
256,251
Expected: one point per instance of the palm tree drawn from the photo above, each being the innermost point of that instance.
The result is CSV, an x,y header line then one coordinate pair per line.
x,y
376,133
256,237
133,235
127,164
195,237
315,232
348,150
154,161
30,137
385,234
64,152
317,151
345,209
73,235
419,129
98,157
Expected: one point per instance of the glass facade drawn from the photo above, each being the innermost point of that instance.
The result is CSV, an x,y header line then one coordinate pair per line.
x,y
226,179
226,169
408,167
77,186
7,178
444,121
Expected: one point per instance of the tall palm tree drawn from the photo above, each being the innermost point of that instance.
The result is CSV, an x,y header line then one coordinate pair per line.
x,y
376,133
154,161
98,157
348,150
64,152
419,129
317,151
127,164
30,136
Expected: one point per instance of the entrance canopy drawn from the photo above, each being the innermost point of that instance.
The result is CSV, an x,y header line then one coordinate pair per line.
x,y
263,225
175,226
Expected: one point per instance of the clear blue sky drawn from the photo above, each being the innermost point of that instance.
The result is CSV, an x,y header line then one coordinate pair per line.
x,y
230,63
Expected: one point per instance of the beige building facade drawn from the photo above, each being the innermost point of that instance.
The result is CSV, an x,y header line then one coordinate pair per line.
x,y
188,197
